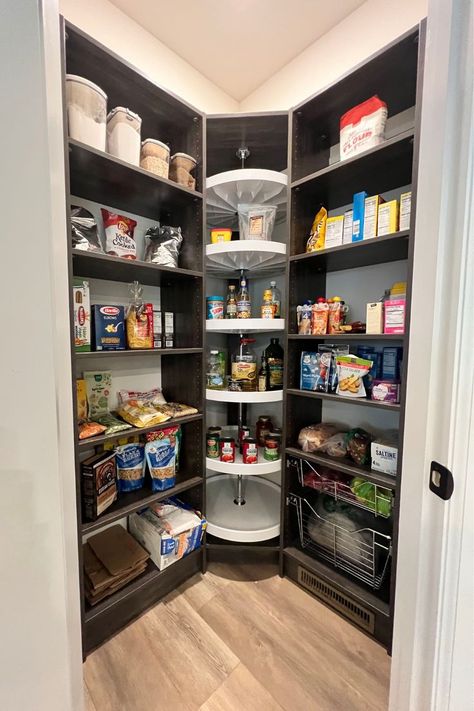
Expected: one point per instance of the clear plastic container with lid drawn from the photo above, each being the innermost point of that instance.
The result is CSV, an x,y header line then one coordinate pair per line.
x,y
86,111
181,165
123,134
155,157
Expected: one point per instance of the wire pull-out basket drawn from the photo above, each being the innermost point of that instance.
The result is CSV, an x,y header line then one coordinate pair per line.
x,y
362,552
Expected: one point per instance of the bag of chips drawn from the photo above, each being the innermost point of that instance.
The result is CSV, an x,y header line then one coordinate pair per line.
x,y
84,233
162,245
119,239
113,424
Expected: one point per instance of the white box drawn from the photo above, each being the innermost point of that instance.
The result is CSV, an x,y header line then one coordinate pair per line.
x,y
169,329
384,455
347,232
405,211
371,213
334,231
165,542
374,318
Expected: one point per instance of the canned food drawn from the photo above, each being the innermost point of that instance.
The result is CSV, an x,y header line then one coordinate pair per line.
x,y
249,451
271,451
244,432
215,307
227,449
212,442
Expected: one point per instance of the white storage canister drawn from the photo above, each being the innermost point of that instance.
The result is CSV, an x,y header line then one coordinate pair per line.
x,y
86,111
123,134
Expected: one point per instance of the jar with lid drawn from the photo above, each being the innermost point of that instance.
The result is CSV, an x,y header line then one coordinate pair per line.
x,y
86,111
155,157
244,366
263,428
215,375
123,134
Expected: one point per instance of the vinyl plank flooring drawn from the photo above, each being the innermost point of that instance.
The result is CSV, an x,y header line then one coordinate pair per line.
x,y
88,703
241,692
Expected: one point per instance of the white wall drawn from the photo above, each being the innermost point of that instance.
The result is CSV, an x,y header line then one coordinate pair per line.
x,y
40,648
360,34
110,26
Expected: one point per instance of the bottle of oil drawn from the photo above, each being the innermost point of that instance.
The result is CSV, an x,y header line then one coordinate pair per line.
x,y
243,298
263,375
274,357
231,305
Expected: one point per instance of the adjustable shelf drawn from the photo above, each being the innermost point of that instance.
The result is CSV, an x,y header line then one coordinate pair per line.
x,y
100,439
346,400
138,353
253,255
238,467
244,397
245,325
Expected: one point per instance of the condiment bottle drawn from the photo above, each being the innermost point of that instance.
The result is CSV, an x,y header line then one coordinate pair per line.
x,y
263,428
274,357
231,305
267,310
243,298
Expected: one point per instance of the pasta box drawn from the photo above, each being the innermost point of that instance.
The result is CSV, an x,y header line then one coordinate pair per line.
x,y
82,315
108,327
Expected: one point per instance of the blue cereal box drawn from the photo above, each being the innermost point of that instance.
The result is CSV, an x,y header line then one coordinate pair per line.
x,y
358,211
108,328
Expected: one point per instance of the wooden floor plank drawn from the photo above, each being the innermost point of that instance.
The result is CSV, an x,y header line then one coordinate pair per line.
x,y
241,692
88,703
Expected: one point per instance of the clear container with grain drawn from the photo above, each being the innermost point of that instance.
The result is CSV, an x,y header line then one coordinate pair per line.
x,y
155,157
181,166
124,134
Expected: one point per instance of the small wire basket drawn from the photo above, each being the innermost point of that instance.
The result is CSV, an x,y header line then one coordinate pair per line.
x,y
363,553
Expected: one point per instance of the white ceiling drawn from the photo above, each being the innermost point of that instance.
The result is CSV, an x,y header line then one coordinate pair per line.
x,y
237,44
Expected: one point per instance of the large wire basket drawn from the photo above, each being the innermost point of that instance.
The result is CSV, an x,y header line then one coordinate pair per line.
x,y
362,552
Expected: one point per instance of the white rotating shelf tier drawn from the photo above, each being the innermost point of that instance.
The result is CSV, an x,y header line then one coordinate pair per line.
x,y
260,468
225,191
250,254
258,519
244,325
244,397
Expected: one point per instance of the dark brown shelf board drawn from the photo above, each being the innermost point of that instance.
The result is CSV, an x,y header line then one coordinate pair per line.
x,y
103,266
348,165
379,250
98,176
333,576
93,441
345,466
149,577
135,500
348,400
146,352
348,337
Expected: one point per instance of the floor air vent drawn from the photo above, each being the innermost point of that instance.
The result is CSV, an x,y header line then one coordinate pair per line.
x,y
337,599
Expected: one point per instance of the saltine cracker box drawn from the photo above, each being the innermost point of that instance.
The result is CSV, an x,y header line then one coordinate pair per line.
x,y
384,456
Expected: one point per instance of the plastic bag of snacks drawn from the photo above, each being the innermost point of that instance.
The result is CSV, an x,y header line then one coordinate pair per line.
x,y
162,245
313,436
317,236
112,424
139,319
358,445
84,231
90,429
152,397
319,317
99,385
350,373
161,454
362,127
119,239
141,414
130,459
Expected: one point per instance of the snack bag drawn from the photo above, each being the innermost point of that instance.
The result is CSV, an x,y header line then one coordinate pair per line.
x,y
150,397
358,443
119,239
98,385
319,317
90,429
317,236
139,319
174,433
335,350
141,414
81,400
314,372
160,456
130,459
303,317
350,372
337,314
113,424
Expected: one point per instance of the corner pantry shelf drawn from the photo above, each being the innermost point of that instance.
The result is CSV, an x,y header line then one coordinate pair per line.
x,y
225,191
245,397
257,520
349,400
139,352
348,337
258,469
247,325
255,255
90,442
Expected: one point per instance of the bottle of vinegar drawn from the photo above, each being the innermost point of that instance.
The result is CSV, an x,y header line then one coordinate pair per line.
x,y
231,305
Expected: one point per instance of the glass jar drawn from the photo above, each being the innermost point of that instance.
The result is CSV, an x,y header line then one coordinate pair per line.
x,y
264,427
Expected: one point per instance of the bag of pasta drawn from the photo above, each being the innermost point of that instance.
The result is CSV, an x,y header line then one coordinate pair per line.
x,y
130,459
139,318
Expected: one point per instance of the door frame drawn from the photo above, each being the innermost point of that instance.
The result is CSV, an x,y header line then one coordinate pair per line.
x,y
432,643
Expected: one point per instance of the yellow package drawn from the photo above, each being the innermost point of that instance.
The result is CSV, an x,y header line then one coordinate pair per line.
x,y
139,414
81,400
317,237
388,218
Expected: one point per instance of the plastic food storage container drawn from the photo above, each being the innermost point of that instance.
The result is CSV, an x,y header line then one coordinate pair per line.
x,y
220,234
86,111
123,134
155,157
181,166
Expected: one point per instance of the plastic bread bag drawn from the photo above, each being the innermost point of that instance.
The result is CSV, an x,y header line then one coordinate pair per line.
x,y
130,459
84,232
350,374
162,245
335,446
317,236
358,443
313,436
256,221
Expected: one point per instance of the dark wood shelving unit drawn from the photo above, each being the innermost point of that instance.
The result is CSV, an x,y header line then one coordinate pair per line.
x,y
135,500
316,178
105,180
346,400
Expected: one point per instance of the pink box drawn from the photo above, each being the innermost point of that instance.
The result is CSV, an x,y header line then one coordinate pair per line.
x,y
385,391
394,316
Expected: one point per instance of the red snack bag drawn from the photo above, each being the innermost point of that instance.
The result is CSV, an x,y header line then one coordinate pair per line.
x,y
119,239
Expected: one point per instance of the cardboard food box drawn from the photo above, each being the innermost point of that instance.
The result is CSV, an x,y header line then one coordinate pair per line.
x,y
394,316
334,231
168,329
157,330
99,484
167,531
384,456
371,213
358,212
385,391
82,315
374,318
347,232
388,218
405,211
109,327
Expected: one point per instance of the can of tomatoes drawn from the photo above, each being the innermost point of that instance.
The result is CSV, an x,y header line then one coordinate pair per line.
x,y
227,449
249,451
